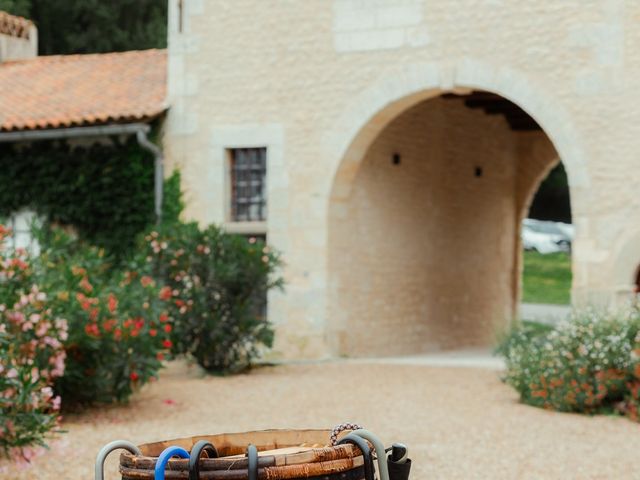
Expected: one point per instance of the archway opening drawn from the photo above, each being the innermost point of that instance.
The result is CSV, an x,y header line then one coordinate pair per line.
x,y
637,283
424,237
547,239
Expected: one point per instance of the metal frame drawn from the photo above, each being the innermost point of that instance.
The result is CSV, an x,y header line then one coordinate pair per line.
x,y
248,184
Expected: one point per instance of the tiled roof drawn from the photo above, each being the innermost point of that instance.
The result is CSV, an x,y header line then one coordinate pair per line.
x,y
14,26
77,90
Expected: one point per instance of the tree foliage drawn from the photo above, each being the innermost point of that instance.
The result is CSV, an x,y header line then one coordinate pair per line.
x,y
552,200
94,26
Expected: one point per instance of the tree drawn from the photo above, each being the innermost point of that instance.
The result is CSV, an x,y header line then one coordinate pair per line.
x,y
94,26
552,200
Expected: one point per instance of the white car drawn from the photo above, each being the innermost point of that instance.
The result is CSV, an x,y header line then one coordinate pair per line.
x,y
546,237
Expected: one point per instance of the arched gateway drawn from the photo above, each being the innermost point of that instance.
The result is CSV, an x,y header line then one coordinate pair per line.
x,y
395,157
426,206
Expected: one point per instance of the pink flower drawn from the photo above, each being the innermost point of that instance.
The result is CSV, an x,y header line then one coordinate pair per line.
x,y
42,329
61,324
16,317
52,342
47,392
58,365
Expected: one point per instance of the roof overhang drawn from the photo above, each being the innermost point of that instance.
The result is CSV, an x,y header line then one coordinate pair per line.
x,y
74,132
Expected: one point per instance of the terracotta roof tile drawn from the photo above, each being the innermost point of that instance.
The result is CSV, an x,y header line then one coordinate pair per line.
x,y
77,90
15,26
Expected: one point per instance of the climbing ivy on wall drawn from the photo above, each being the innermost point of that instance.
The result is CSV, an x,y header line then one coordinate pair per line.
x,y
103,190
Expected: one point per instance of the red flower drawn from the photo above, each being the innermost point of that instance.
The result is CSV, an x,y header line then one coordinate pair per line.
x,y
16,262
153,332
108,325
165,293
146,281
86,302
167,343
92,330
164,317
167,328
160,356
85,285
113,303
133,376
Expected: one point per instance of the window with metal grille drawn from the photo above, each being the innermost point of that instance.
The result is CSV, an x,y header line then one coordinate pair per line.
x,y
248,186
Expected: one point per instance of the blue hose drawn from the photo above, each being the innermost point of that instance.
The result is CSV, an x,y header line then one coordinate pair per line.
x,y
164,457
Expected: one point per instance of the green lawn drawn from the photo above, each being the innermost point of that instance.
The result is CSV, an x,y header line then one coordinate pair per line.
x,y
547,278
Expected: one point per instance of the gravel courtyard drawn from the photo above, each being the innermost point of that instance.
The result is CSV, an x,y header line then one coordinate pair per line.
x,y
459,423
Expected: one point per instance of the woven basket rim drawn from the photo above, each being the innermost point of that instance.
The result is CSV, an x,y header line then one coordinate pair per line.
x,y
298,447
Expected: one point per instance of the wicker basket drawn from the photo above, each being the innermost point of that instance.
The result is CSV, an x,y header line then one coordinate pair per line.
x,y
283,454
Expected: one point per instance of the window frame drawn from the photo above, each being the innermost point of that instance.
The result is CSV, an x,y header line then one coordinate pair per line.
x,y
253,155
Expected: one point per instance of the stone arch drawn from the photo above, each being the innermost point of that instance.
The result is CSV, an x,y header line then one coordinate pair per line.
x,y
396,92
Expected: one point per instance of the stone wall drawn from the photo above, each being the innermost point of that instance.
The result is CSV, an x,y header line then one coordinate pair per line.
x,y
322,79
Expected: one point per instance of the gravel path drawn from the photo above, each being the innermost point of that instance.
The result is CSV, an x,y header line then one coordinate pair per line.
x,y
459,423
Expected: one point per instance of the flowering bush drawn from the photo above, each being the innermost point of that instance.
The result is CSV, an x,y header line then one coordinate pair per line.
x,y
217,285
31,357
589,363
118,325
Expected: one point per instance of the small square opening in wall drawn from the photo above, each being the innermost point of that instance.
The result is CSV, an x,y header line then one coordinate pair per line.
x,y
479,172
248,184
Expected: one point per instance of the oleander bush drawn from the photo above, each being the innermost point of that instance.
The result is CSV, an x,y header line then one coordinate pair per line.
x,y
589,363
31,357
119,324
217,284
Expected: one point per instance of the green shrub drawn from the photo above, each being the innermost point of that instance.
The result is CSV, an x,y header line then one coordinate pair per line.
x,y
589,363
218,283
31,357
118,324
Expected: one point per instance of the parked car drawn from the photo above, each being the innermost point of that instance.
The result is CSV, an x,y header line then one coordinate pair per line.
x,y
546,237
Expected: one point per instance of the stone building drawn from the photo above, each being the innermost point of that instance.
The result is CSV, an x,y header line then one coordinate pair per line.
x,y
18,38
390,150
